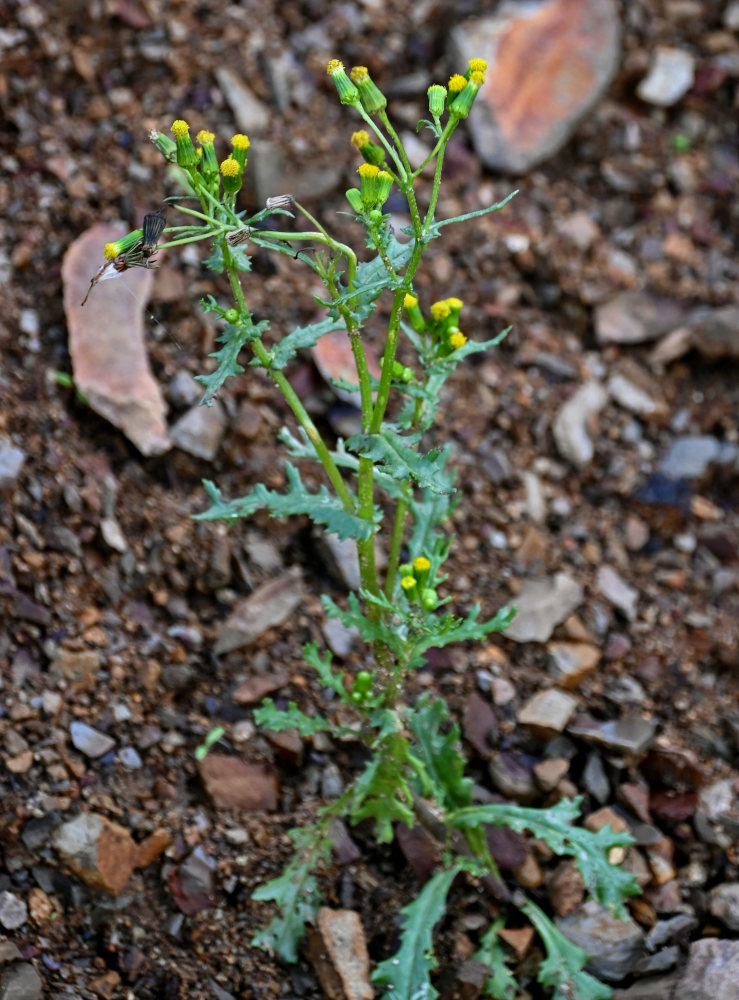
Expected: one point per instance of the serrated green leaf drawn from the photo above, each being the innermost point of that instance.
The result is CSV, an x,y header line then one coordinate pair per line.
x,y
500,984
321,507
438,745
233,338
381,792
216,262
406,976
240,258
564,964
398,458
322,666
296,894
292,717
370,631
301,337
608,883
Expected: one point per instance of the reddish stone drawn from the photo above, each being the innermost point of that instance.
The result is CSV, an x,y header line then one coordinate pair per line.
x,y
233,784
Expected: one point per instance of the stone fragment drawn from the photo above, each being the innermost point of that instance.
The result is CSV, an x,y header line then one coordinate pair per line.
x,y
670,77
566,888
106,342
665,932
635,317
614,946
652,988
199,431
269,605
479,724
13,911
20,981
89,741
712,971
257,687
549,63
633,397
571,662
11,463
345,944
517,938
100,852
79,666
724,904
595,778
572,422
547,712
629,736
617,591
334,358
690,457
713,332
549,772
511,773
234,784
250,114
541,605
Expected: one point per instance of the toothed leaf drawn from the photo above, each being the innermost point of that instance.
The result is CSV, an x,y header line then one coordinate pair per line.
x,y
396,456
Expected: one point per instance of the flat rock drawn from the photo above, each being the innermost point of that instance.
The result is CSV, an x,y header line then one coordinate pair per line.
x,y
690,457
89,741
630,736
541,605
571,427
100,852
11,463
343,938
549,63
199,431
617,592
571,662
234,784
13,911
547,712
724,904
670,77
20,981
712,971
255,688
333,357
250,114
636,317
614,946
269,605
106,342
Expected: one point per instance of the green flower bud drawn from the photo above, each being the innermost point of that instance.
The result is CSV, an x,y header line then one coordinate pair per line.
x,y
414,314
421,568
368,185
187,155
429,599
462,104
348,93
405,570
231,172
231,315
355,200
410,587
240,145
437,99
370,95
371,152
123,245
166,146
208,159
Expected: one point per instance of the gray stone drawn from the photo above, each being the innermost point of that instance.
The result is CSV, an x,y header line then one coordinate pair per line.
x,y
652,988
617,591
570,427
196,872
712,971
661,961
595,779
670,77
630,736
690,457
129,757
339,637
269,605
547,712
541,605
250,114
89,741
13,911
199,431
631,396
635,317
614,946
724,904
11,462
665,931
20,981
184,390
511,774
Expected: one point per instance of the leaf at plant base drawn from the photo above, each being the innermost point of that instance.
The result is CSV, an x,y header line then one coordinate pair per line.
x,y
500,984
301,337
320,507
398,458
233,339
406,976
608,883
269,717
438,745
565,962
296,894
381,792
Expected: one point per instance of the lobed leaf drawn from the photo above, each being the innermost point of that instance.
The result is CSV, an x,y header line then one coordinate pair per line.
x,y
398,458
270,717
233,338
500,984
301,337
438,745
381,792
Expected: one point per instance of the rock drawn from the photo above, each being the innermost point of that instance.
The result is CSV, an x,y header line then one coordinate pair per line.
x,y
199,431
250,114
20,981
670,77
256,688
614,946
547,712
341,556
233,784
339,638
89,741
79,666
479,724
712,971
333,357
535,502
112,534
690,457
617,591
13,911
106,342
129,757
662,961
633,397
595,778
666,931
541,605
570,427
549,64
269,605
653,988
549,772
629,736
100,852
566,888
571,662
196,873
511,773
343,938
713,332
11,463
635,317
724,904
183,390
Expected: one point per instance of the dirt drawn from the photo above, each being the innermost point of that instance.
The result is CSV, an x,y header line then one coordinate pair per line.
x,y
80,89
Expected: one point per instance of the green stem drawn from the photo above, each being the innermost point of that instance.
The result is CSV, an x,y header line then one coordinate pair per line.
x,y
396,543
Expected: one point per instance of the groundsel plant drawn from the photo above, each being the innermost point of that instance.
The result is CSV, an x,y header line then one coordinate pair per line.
x,y
384,487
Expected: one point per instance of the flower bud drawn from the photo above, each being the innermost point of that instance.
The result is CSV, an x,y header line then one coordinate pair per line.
x,y
371,151
240,145
462,104
440,313
208,159
123,245
409,587
414,314
370,95
457,339
437,99
456,85
355,200
406,569
429,599
186,153
368,184
166,146
455,308
421,567
348,93
476,66
384,184
231,172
